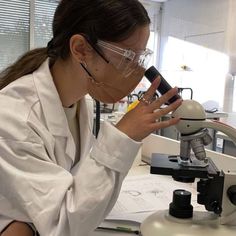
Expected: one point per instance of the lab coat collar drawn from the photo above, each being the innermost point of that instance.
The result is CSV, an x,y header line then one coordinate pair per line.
x,y
50,100
55,117
85,114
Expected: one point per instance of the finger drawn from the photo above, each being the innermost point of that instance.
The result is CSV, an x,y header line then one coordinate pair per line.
x,y
165,124
163,111
163,99
147,97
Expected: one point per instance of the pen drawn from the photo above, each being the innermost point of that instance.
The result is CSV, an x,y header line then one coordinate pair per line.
x,y
120,229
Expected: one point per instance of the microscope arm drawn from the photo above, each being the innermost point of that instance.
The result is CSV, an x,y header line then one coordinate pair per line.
x,y
219,126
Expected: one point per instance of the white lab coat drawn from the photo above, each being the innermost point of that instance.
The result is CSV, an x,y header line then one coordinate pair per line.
x,y
39,181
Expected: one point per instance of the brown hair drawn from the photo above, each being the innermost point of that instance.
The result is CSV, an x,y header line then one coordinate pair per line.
x,y
111,20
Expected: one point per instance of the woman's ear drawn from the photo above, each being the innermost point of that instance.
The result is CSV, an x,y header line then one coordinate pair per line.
x,y
79,47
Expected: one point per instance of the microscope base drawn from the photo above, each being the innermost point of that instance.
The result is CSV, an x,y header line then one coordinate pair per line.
x,y
202,223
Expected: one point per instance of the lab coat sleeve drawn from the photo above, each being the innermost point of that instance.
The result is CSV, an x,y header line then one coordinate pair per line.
x,y
114,149
60,203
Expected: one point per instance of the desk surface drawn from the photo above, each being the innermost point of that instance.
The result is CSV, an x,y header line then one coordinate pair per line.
x,y
216,115
135,170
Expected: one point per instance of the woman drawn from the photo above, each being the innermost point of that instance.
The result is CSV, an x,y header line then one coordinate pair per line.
x,y
55,177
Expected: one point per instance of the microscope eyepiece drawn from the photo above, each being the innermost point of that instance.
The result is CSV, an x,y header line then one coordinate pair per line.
x,y
151,74
181,207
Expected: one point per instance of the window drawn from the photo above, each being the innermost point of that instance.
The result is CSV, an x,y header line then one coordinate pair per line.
x,y
202,69
27,24
44,12
24,24
14,30
154,12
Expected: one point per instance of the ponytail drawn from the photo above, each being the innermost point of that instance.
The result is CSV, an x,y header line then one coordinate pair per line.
x,y
27,64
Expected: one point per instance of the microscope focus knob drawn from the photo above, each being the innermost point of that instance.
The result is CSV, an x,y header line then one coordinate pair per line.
x,y
231,192
181,207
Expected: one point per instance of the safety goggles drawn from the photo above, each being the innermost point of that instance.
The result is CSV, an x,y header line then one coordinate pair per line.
x,y
125,60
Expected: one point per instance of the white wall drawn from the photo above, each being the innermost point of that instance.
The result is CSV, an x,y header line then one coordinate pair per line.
x,y
203,23
199,21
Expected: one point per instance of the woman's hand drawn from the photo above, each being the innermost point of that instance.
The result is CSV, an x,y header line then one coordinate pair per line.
x,y
143,119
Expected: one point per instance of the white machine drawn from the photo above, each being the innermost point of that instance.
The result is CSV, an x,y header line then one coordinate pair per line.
x,y
216,178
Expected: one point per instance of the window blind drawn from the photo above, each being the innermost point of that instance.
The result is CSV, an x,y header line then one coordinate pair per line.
x,y
44,13
14,30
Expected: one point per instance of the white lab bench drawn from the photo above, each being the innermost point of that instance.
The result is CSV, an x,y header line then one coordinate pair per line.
x,y
228,146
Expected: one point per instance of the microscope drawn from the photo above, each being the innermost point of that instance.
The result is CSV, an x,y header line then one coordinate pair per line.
x,y
215,177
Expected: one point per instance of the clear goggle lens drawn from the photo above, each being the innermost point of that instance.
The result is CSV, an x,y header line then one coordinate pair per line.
x,y
126,61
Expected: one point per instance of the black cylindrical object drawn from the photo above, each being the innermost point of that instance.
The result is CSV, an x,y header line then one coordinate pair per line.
x,y
151,74
181,207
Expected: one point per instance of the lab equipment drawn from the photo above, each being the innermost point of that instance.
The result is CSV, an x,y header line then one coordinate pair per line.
x,y
151,74
216,180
